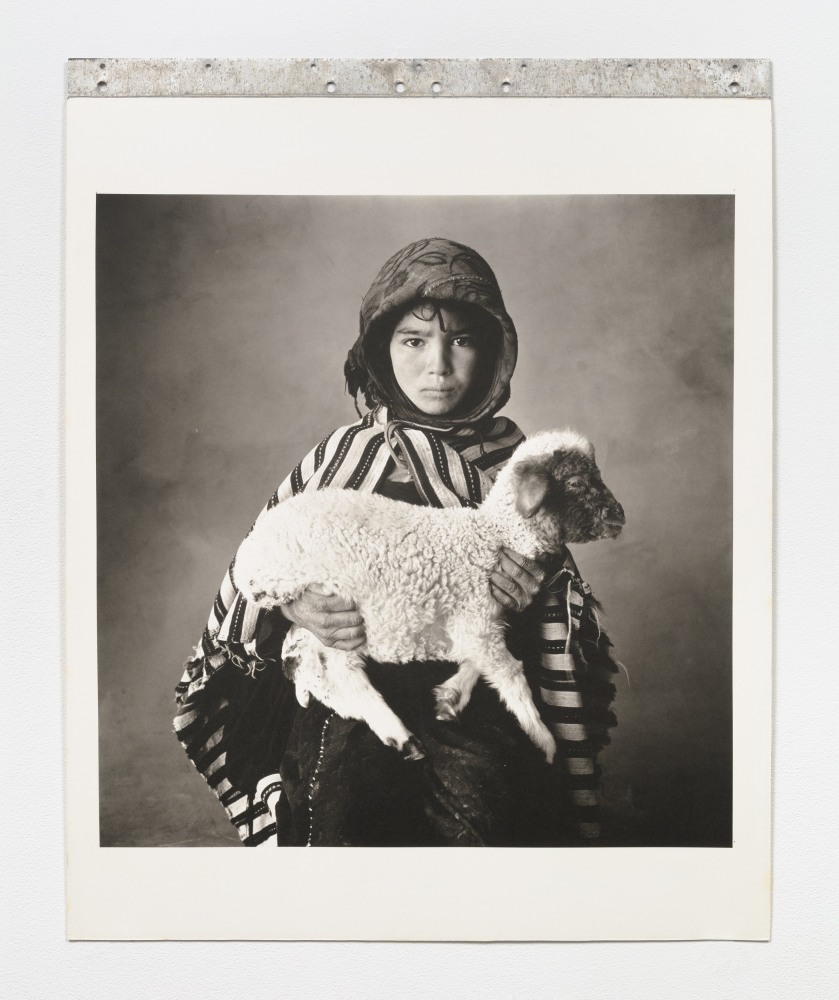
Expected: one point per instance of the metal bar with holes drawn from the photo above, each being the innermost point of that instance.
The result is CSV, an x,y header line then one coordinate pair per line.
x,y
434,78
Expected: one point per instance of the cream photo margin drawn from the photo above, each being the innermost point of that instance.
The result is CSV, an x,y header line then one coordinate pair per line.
x,y
538,146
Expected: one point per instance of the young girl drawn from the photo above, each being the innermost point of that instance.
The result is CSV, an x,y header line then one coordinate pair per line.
x,y
433,361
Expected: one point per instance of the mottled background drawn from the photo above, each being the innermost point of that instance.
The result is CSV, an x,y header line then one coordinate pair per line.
x,y
222,327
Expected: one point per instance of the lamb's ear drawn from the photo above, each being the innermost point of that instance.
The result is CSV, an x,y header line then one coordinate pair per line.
x,y
530,495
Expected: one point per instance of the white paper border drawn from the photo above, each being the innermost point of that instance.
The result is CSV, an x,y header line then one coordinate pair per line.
x,y
540,146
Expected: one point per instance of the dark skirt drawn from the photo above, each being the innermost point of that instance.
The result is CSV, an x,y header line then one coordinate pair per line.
x,y
482,782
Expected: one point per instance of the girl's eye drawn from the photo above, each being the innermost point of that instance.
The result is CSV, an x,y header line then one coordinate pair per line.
x,y
464,341
412,342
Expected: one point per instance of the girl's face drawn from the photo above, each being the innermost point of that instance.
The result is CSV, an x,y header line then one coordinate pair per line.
x,y
436,357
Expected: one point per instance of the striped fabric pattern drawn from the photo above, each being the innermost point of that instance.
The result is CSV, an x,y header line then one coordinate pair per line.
x,y
453,472
578,723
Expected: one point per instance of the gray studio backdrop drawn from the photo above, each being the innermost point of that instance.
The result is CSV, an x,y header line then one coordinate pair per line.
x,y
222,327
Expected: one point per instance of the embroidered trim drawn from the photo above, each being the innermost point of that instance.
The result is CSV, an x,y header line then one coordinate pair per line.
x,y
326,722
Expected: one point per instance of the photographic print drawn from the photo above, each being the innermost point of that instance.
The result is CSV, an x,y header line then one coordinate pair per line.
x,y
223,330
416,502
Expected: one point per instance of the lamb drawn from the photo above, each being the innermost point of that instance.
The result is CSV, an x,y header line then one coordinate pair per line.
x,y
420,578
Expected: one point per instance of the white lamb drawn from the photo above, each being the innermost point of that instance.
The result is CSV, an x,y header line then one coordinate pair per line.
x,y
420,578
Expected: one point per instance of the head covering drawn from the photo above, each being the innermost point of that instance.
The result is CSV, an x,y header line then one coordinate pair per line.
x,y
446,273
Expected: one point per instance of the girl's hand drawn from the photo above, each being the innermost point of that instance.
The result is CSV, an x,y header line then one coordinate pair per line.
x,y
334,620
515,581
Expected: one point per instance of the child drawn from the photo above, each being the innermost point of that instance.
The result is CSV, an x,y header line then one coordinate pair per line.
x,y
433,361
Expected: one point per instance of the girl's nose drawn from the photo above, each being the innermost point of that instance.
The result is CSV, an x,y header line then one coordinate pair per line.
x,y
439,359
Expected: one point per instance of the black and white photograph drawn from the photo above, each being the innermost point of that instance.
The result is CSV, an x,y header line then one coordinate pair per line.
x,y
395,669
418,550
429,510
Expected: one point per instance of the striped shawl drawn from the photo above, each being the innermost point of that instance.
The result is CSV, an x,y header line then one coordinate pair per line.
x,y
574,678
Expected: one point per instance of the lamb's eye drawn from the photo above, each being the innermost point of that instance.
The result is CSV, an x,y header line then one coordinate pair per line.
x,y
575,483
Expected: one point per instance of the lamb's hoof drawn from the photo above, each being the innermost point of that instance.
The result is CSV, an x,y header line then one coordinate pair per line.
x,y
291,661
547,745
446,704
413,749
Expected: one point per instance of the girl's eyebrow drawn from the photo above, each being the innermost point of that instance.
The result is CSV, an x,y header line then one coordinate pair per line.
x,y
424,333
411,330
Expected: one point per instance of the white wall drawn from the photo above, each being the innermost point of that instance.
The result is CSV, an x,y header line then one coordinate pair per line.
x,y
802,41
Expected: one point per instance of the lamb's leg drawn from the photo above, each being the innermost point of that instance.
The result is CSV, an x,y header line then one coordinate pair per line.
x,y
504,672
453,695
338,680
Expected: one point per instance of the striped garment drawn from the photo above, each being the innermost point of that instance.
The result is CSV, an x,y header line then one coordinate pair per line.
x,y
455,470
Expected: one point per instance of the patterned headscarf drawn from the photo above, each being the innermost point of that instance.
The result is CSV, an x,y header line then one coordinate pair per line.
x,y
442,272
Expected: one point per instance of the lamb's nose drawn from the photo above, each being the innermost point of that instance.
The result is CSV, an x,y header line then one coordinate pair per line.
x,y
614,514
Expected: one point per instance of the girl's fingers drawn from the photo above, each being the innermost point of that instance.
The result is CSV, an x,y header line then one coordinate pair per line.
x,y
515,581
337,620
326,603
527,573
506,592
342,638
348,645
329,626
